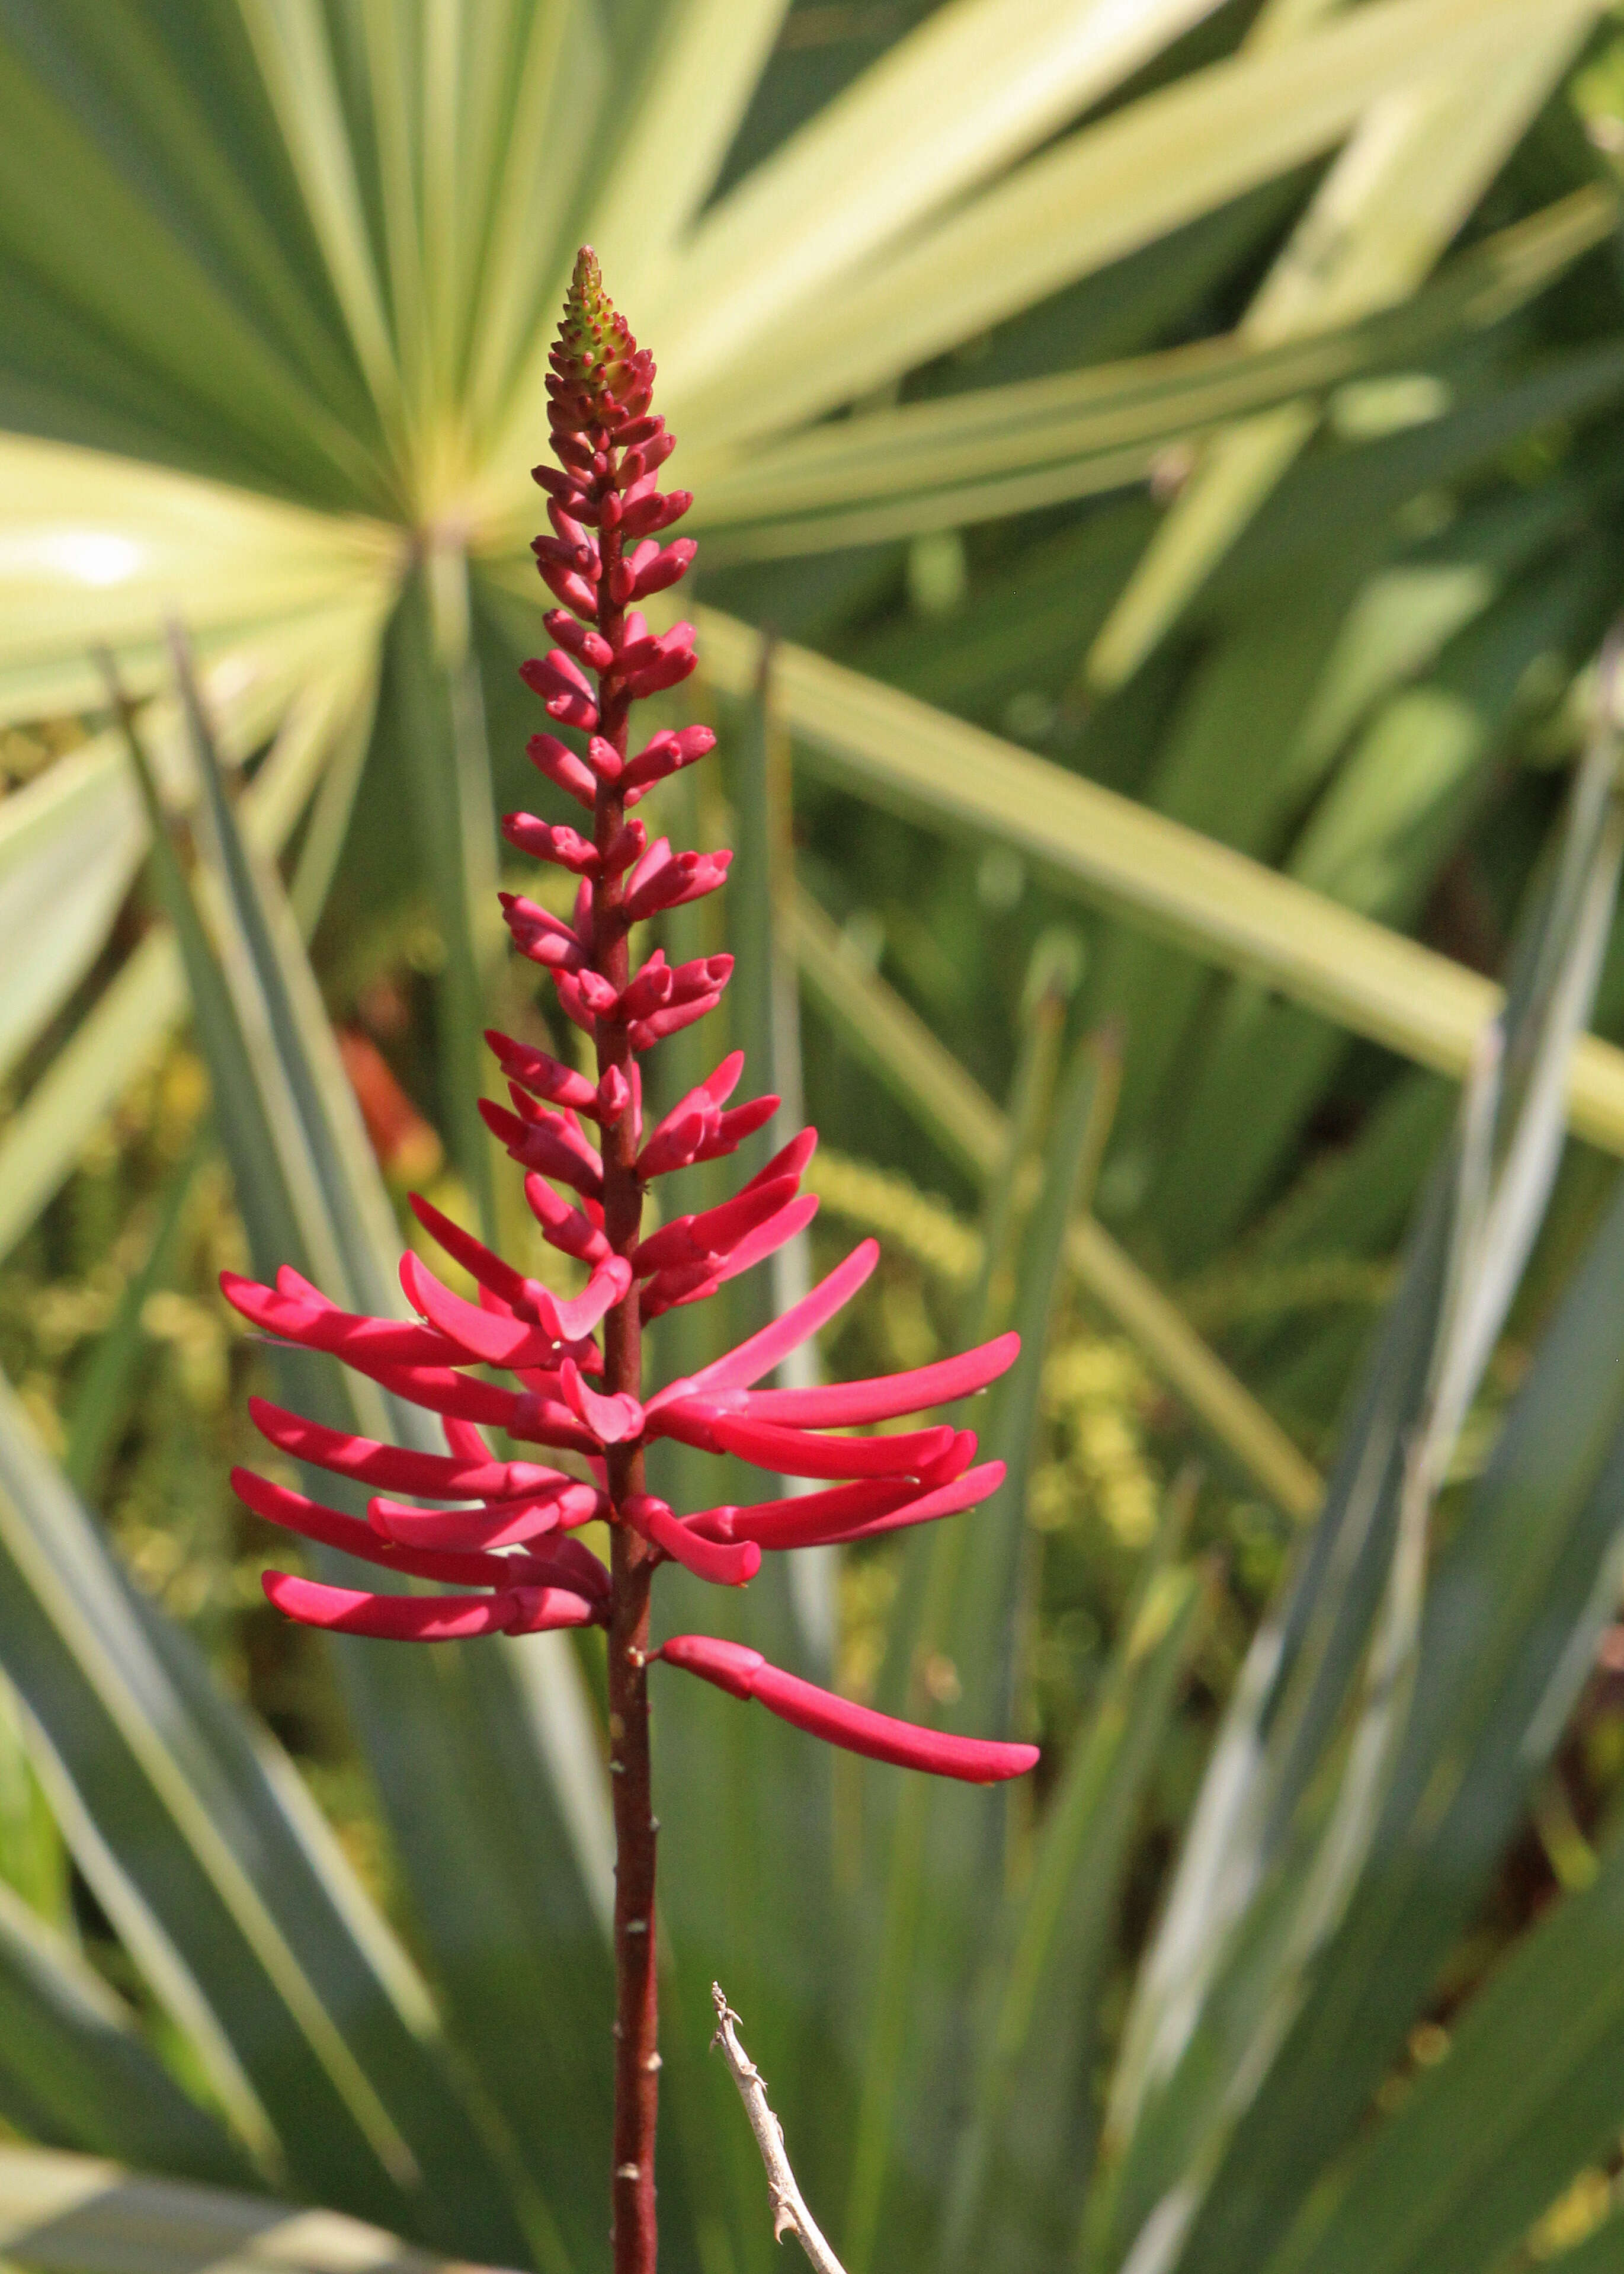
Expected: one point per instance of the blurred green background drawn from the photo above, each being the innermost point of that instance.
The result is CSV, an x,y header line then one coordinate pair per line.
x,y
1160,480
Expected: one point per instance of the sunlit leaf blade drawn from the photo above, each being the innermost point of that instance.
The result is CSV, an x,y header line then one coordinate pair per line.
x,y
992,78
705,69
119,1036
1231,910
90,254
1399,193
87,2217
1375,841
1088,199
990,451
97,551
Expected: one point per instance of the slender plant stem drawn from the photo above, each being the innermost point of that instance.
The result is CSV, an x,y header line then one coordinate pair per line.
x,y
636,2056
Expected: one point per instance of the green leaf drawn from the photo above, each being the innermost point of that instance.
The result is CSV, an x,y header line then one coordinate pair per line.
x,y
990,451
1280,1856
223,1882
1528,2094
117,269
952,1660
75,2071
1229,910
432,715
1089,197
105,1386
1021,2171
1400,191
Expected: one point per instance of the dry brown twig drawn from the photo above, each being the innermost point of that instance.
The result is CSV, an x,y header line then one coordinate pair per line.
x,y
790,2214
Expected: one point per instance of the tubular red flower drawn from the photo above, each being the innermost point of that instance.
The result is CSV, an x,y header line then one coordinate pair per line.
x,y
426,1618
858,1728
615,1420
716,1233
563,1227
665,755
798,1452
724,1564
544,1145
799,1524
499,1523
561,766
543,1076
468,1568
843,1404
393,1468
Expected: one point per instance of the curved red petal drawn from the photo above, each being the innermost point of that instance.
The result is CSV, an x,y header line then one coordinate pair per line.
x,y
725,1564
885,1397
488,1335
613,1420
798,1453
424,1618
312,1520
439,1476
310,1321
857,1728
763,1351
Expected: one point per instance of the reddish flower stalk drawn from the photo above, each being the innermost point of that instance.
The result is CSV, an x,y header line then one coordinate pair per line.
x,y
506,1542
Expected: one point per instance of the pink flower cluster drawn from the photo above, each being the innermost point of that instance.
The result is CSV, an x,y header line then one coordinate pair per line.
x,y
502,1532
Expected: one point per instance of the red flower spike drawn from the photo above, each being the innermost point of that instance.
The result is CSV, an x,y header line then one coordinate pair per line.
x,y
503,1531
